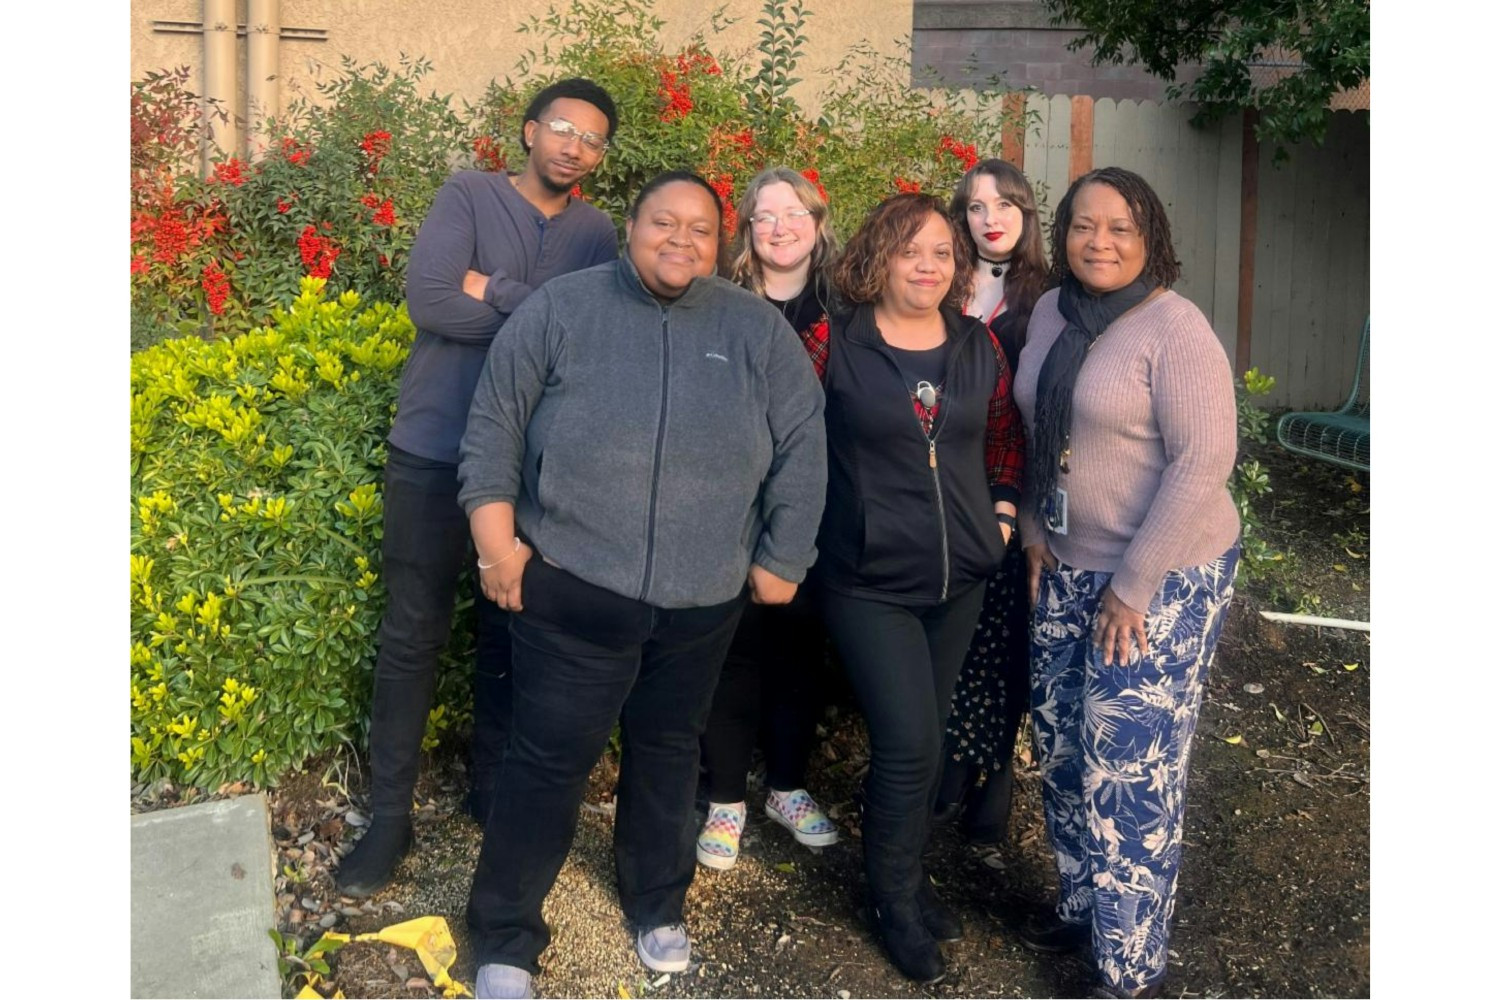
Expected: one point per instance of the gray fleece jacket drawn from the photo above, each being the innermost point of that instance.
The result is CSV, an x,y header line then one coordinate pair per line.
x,y
651,449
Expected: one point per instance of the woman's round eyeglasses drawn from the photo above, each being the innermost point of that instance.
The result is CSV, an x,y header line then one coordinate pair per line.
x,y
765,220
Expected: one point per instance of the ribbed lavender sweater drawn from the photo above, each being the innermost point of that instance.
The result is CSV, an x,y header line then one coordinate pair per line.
x,y
1153,444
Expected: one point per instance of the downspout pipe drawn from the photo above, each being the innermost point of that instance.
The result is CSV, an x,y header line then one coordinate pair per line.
x,y
263,58
218,79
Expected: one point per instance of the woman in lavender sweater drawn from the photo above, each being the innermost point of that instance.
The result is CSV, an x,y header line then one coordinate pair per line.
x,y
1132,542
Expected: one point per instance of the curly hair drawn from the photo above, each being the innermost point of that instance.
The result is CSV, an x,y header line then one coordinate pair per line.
x,y
860,274
1027,277
745,268
1146,211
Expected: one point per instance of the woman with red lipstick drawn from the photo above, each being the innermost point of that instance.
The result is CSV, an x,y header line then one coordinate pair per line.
x,y
1132,541
770,682
924,461
1010,269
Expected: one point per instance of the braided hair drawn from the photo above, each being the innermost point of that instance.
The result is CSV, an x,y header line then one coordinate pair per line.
x,y
1146,210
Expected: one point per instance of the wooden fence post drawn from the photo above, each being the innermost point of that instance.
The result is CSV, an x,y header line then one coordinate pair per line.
x,y
1249,210
1081,138
1013,131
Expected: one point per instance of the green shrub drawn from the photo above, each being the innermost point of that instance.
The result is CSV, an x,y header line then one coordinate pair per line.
x,y
348,178
255,539
339,195
1250,480
726,119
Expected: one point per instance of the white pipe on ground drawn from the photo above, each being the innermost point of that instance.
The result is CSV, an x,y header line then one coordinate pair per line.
x,y
263,56
1291,619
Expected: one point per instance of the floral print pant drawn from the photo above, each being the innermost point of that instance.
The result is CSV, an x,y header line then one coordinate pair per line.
x,y
1114,745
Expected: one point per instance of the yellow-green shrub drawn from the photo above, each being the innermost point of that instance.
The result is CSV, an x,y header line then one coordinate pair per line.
x,y
255,591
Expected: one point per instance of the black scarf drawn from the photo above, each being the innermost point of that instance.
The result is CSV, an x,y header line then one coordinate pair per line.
x,y
1087,317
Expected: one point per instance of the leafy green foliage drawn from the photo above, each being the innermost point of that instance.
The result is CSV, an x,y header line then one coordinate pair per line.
x,y
339,195
1250,480
255,538
299,968
727,119
1329,39
780,48
256,457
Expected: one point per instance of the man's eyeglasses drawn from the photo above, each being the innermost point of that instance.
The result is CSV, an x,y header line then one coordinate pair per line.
x,y
566,129
765,220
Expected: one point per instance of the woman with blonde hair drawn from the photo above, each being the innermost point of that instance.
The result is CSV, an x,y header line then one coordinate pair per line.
x,y
770,682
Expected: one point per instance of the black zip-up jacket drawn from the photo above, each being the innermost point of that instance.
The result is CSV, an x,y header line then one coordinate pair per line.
x,y
906,523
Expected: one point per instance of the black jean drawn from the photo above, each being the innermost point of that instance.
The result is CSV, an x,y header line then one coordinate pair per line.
x,y
425,552
584,657
772,686
902,662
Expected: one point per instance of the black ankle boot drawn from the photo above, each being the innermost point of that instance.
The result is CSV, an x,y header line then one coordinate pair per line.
x,y
911,946
367,868
937,916
1051,936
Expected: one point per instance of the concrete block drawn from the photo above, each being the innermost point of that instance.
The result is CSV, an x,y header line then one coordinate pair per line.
x,y
202,899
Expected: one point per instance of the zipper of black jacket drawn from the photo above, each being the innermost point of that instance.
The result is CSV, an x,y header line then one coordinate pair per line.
x,y
932,462
661,435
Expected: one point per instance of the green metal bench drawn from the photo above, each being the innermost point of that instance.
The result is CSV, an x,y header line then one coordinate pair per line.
x,y
1343,436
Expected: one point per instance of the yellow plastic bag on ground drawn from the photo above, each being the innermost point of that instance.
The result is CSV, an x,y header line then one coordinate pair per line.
x,y
430,938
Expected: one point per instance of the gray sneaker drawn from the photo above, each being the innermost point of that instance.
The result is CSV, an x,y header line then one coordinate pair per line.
x,y
664,949
502,982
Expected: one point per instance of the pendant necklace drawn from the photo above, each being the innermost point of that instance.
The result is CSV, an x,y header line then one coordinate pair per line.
x,y
997,267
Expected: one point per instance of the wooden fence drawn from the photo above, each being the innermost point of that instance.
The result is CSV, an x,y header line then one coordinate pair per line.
x,y
1290,297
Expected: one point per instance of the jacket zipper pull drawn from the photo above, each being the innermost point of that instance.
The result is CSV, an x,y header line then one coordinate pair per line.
x,y
932,454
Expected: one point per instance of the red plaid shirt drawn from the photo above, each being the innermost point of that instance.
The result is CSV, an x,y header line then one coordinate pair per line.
x,y
1004,438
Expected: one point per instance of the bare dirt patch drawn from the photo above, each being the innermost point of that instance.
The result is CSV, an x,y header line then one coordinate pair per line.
x,y
1273,898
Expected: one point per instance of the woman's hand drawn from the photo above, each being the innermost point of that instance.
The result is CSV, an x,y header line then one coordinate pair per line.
x,y
1118,628
501,583
1037,556
768,588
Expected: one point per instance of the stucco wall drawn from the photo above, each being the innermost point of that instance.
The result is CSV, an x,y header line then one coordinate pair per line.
x,y
470,42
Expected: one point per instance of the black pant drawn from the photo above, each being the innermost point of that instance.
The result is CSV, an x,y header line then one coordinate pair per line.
x,y
585,657
772,685
902,662
425,551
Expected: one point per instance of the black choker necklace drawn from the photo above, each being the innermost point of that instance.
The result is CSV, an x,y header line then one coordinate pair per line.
x,y
997,267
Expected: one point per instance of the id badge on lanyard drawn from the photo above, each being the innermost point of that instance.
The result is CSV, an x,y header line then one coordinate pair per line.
x,y
1056,512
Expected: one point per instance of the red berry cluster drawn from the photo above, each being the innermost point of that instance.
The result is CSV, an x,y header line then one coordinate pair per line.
x,y
723,186
215,284
385,211
318,252
965,152
487,155
296,153
679,99
813,176
376,145
231,171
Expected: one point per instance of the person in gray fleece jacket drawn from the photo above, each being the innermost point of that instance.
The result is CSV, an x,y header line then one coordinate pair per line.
x,y
646,439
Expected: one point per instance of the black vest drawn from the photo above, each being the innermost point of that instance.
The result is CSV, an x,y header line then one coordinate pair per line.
x,y
895,528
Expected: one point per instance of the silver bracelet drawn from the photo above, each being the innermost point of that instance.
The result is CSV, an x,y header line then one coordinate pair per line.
x,y
484,565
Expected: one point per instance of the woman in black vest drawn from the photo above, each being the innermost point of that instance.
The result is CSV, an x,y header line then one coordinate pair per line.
x,y
925,453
